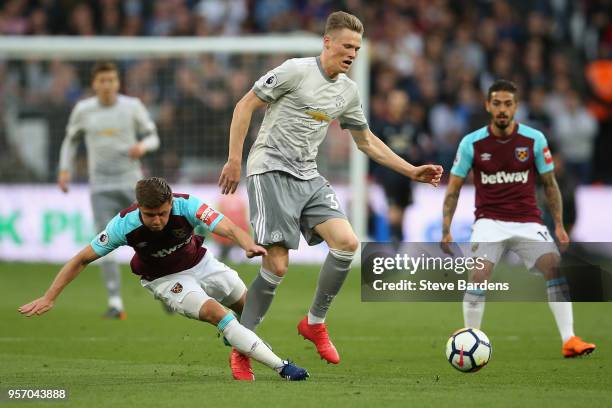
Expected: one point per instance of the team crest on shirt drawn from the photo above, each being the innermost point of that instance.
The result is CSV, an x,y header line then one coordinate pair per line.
x,y
276,236
179,233
177,288
340,101
521,154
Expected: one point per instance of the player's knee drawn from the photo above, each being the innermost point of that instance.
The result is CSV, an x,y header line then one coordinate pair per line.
x,y
238,305
341,255
192,304
348,242
484,273
549,265
212,312
276,266
279,269
550,271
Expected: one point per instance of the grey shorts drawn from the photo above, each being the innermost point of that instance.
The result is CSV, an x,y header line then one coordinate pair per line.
x,y
106,204
281,206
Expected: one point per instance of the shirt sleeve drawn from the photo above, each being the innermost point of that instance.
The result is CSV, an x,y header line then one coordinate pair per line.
x,y
543,157
274,84
201,214
111,238
74,129
353,117
463,159
146,126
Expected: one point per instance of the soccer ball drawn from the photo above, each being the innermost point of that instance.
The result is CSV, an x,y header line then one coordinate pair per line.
x,y
468,350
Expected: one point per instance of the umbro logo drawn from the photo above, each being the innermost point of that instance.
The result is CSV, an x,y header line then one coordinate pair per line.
x,y
141,244
485,156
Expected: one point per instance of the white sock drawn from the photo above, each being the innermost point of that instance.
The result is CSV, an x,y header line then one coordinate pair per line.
x,y
473,309
558,300
116,302
564,318
312,319
248,343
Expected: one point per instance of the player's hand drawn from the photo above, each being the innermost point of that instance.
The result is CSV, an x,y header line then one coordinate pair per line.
x,y
63,178
445,242
36,307
255,250
428,173
137,151
562,237
230,177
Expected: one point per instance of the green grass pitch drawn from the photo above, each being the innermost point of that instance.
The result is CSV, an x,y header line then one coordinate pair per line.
x,y
392,353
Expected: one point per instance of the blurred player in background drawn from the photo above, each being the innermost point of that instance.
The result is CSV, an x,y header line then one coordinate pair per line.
x,y
175,267
112,125
505,156
286,193
407,140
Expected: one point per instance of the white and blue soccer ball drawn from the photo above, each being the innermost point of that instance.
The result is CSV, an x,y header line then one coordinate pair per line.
x,y
468,350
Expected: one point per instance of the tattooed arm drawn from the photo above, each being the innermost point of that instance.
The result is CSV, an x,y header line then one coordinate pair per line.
x,y
450,204
555,204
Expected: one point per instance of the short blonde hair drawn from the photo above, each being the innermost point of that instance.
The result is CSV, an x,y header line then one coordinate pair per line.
x,y
339,20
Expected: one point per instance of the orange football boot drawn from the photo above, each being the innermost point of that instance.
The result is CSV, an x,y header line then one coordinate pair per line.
x,y
575,347
317,333
241,366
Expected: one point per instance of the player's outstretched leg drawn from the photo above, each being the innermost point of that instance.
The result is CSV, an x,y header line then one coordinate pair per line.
x,y
573,346
241,338
249,344
259,298
558,293
313,327
343,243
474,300
112,280
473,308
261,293
561,308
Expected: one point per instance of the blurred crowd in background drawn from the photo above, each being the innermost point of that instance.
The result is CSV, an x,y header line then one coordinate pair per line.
x,y
431,64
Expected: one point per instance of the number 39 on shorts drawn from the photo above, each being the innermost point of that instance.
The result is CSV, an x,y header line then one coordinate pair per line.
x,y
333,201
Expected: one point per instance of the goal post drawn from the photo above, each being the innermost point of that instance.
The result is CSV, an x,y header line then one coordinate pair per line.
x,y
71,50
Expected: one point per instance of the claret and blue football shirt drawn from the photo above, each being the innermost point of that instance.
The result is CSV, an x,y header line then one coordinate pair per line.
x,y
158,253
505,172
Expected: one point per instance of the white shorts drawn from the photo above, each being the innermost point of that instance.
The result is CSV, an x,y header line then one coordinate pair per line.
x,y
210,278
529,240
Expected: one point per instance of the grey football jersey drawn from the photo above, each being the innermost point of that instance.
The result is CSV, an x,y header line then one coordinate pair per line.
x,y
109,133
303,101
